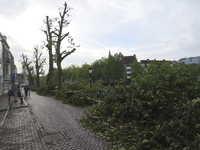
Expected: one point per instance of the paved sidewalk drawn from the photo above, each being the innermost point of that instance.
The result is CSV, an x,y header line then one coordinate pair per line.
x,y
19,131
4,103
46,124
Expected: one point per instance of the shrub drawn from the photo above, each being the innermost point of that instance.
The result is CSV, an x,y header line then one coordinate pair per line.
x,y
160,110
75,98
44,89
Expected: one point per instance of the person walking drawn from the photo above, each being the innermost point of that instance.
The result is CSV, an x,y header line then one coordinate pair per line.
x,y
26,89
10,100
19,94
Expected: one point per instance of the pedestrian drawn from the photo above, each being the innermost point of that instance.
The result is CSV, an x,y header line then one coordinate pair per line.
x,y
10,100
19,94
26,89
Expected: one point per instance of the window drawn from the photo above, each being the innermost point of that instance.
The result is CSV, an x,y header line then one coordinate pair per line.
x,y
8,55
6,69
143,65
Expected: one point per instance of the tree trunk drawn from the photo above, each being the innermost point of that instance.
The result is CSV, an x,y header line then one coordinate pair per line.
x,y
59,74
30,76
38,79
49,46
50,74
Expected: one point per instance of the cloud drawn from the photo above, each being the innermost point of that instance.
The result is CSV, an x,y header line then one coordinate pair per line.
x,y
168,29
12,8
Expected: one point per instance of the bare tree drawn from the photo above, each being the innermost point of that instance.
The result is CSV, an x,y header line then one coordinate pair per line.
x,y
39,63
27,65
49,38
63,21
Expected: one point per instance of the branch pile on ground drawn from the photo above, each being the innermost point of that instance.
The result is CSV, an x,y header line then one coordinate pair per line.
x,y
159,110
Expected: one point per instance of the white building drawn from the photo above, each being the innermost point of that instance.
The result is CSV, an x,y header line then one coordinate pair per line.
x,y
190,60
128,60
1,65
7,66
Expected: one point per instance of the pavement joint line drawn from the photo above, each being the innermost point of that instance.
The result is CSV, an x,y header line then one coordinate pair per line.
x,y
41,137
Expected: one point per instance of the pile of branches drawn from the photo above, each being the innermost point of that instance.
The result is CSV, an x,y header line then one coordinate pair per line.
x,y
159,110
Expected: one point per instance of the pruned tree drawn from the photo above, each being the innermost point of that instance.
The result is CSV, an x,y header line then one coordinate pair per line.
x,y
63,21
27,65
39,63
49,39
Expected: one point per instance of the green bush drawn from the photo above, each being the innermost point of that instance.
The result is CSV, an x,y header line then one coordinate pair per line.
x,y
75,98
160,110
72,98
44,89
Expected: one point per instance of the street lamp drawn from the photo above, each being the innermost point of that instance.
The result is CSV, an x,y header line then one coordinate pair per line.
x,y
90,72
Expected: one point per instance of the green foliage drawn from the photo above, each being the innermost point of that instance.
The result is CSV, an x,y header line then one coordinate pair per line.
x,y
113,68
82,91
75,98
44,89
137,69
107,69
194,70
160,110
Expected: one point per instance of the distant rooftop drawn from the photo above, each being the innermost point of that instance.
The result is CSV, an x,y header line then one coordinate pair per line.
x,y
129,59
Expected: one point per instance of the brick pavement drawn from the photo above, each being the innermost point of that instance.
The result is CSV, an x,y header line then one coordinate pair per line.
x,y
19,131
4,102
47,124
59,125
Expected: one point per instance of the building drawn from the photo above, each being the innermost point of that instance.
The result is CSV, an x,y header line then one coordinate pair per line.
x,y
20,77
128,60
2,41
190,60
146,63
7,66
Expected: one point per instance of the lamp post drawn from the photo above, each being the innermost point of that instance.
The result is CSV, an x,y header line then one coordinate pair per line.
x,y
90,72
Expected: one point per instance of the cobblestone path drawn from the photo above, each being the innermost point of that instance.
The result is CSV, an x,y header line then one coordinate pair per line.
x,y
47,124
61,122
19,131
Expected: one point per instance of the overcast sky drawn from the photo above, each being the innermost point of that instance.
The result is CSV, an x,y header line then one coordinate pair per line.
x,y
151,29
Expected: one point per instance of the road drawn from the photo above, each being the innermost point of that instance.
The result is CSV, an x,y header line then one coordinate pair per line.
x,y
50,125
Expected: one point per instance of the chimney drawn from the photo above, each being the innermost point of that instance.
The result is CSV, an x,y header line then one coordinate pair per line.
x,y
134,55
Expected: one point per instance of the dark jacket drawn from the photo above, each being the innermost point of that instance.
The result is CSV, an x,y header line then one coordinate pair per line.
x,y
26,88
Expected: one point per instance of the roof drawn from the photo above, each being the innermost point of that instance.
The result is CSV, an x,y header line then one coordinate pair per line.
x,y
188,58
129,59
149,61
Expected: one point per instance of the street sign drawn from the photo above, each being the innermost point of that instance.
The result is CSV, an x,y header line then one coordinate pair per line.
x,y
13,76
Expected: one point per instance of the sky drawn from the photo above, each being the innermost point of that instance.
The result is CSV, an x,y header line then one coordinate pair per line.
x,y
150,29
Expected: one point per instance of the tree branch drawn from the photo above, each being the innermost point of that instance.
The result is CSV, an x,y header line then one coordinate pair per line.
x,y
68,53
65,35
